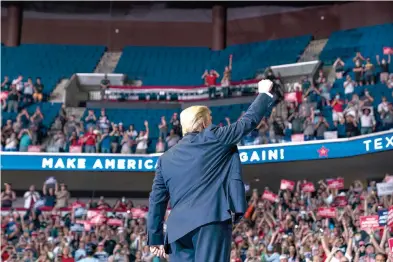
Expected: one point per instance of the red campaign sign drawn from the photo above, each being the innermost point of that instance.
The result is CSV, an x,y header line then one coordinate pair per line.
x,y
95,217
387,50
328,212
77,204
34,149
308,187
138,213
270,196
75,149
86,224
97,220
340,201
367,222
337,183
290,97
114,222
287,184
92,213
297,138
238,239
390,217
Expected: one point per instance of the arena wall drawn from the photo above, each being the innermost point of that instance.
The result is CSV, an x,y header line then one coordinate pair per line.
x,y
365,167
318,21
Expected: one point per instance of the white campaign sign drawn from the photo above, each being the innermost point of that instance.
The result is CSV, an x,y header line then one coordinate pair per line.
x,y
384,189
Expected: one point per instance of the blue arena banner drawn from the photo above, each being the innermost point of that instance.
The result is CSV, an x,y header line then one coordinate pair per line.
x,y
324,149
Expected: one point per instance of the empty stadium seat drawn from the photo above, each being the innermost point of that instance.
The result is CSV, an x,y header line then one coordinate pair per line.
x,y
50,62
184,65
367,40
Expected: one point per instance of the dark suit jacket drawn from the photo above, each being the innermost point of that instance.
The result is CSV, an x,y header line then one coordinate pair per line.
x,y
201,177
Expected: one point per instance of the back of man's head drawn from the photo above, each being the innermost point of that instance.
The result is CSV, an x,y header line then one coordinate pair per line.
x,y
194,119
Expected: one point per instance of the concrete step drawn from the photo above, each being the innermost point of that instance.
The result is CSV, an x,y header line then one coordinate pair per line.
x,y
58,94
76,111
108,62
313,50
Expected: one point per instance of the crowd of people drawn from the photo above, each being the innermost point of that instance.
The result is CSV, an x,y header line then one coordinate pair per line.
x,y
351,115
20,92
287,226
25,131
301,117
364,71
98,134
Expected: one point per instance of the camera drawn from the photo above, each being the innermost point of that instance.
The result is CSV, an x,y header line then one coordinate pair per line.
x,y
277,90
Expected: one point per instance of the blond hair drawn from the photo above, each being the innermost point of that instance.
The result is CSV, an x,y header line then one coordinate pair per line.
x,y
193,118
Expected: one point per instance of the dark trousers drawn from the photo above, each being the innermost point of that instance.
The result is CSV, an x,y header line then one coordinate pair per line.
x,y
208,243
212,92
225,91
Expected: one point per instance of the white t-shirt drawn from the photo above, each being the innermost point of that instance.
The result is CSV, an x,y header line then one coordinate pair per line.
x,y
141,142
383,107
18,83
103,122
101,256
329,200
349,87
89,259
28,196
28,90
11,143
334,259
132,133
367,121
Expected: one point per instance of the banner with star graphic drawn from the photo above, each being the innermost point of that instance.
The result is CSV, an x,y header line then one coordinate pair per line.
x,y
249,155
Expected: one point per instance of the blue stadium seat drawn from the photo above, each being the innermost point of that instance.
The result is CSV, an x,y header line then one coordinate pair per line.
x,y
367,40
178,66
50,62
48,109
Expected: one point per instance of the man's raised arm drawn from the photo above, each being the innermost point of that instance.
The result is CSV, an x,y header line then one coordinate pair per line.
x,y
232,134
158,203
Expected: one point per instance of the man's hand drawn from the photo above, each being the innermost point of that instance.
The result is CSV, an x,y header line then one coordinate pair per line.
x,y
158,251
265,86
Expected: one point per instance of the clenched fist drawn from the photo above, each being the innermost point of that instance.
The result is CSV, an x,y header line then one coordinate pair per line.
x,y
265,86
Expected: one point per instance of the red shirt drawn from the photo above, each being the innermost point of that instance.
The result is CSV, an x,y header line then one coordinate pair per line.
x,y
211,80
75,142
338,107
122,206
90,139
299,95
68,259
5,254
32,202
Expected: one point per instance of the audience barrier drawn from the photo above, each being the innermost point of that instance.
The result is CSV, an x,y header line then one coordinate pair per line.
x,y
178,93
312,150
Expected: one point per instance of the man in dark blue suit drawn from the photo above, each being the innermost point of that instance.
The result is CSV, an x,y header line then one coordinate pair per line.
x,y
201,177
